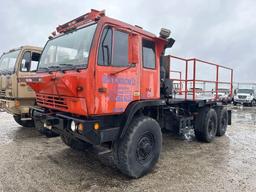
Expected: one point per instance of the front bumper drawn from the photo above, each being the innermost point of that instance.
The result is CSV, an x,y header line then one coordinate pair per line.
x,y
242,101
60,123
226,99
12,107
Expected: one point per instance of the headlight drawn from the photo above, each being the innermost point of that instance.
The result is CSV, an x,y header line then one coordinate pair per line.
x,y
73,126
249,97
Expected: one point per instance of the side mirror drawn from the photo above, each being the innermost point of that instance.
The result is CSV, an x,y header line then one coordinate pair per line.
x,y
133,49
170,43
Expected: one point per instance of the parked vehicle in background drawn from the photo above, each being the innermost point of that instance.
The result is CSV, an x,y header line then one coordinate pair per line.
x,y
245,96
15,95
224,95
198,91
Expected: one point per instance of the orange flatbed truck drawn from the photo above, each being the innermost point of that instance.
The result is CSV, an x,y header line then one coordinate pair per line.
x,y
103,82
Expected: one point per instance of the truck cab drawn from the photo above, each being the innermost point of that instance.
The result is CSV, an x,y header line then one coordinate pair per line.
x,y
245,96
15,95
102,74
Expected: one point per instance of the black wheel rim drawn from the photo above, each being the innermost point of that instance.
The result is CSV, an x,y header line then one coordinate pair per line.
x,y
145,147
211,127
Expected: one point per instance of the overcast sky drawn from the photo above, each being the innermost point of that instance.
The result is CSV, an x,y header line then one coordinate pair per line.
x,y
221,31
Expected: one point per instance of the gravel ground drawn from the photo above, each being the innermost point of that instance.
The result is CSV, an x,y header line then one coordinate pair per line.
x,y
31,162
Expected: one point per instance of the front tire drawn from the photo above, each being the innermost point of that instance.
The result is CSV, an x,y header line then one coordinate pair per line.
x,y
206,125
27,123
139,150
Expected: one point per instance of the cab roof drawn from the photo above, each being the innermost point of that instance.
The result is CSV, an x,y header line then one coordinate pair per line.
x,y
30,47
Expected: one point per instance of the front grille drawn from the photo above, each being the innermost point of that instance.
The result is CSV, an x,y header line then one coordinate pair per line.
x,y
242,96
2,93
51,101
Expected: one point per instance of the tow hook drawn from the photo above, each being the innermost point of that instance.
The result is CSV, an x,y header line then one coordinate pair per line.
x,y
47,126
50,122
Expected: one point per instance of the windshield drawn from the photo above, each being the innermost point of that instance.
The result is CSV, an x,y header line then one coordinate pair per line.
x,y
7,62
247,91
71,49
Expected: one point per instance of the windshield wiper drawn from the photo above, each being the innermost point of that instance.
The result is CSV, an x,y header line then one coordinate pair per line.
x,y
54,67
43,69
67,65
48,69
128,67
72,66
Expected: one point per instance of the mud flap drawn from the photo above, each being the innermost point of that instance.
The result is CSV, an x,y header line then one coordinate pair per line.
x,y
229,117
1,107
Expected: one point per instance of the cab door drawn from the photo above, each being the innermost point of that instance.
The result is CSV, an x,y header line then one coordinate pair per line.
x,y
150,79
27,67
117,78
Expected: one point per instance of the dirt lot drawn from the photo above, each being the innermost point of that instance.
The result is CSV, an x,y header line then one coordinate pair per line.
x,y
30,162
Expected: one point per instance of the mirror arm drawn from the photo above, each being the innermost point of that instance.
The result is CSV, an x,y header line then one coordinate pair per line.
x,y
129,66
108,54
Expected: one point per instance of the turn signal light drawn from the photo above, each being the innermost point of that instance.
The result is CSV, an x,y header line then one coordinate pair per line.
x,y
80,128
17,103
96,126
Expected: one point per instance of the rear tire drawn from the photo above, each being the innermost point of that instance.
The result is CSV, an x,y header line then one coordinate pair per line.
x,y
138,151
206,125
75,144
222,122
27,123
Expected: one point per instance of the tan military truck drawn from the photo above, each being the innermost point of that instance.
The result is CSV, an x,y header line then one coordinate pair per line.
x,y
15,95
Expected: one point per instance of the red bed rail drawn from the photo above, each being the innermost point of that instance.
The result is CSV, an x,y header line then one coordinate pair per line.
x,y
178,80
191,79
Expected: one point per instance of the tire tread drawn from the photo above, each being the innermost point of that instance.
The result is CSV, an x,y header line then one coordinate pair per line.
x,y
121,148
